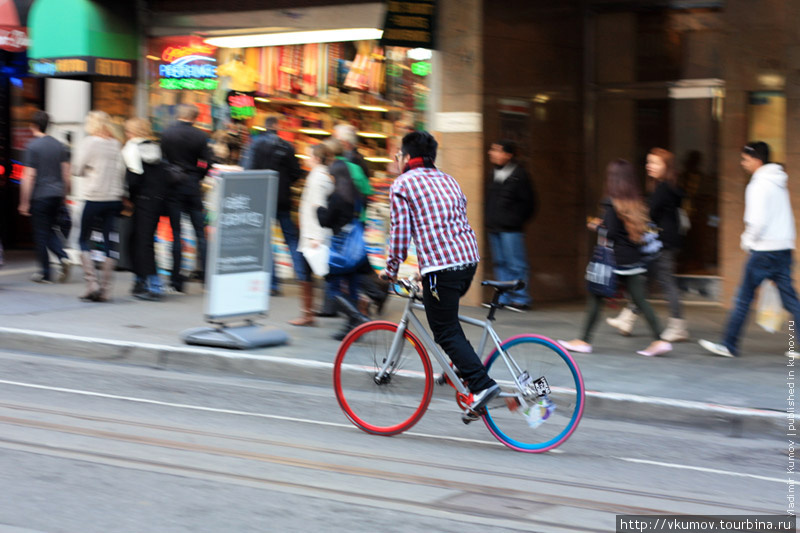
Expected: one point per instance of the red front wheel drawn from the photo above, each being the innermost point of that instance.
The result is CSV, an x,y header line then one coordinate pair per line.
x,y
382,404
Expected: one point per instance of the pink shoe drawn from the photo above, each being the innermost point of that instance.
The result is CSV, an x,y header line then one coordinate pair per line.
x,y
661,348
579,348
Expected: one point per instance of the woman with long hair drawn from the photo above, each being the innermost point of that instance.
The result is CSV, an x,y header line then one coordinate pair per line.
x,y
319,186
625,222
99,160
343,205
664,205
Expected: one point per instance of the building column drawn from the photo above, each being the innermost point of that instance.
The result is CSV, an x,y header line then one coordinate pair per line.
x,y
457,114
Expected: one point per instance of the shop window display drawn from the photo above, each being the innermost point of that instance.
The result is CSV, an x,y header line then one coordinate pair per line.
x,y
312,87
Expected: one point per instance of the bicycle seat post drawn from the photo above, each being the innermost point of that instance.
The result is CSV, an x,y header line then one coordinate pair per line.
x,y
495,305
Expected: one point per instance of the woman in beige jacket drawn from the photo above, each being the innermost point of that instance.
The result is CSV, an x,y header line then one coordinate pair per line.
x,y
99,160
319,185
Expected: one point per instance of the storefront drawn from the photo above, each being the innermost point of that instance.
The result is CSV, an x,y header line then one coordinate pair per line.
x,y
66,57
19,95
311,82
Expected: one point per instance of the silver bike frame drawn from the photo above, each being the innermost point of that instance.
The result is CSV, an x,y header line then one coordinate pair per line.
x,y
430,345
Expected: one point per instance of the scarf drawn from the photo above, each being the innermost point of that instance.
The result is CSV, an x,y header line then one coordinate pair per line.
x,y
419,162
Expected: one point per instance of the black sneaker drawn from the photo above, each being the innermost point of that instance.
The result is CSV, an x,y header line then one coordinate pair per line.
x,y
481,398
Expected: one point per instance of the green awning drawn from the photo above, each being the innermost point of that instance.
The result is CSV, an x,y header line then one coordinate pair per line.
x,y
82,28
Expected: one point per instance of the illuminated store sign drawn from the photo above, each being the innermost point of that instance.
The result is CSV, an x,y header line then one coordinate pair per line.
x,y
241,105
81,66
188,67
14,39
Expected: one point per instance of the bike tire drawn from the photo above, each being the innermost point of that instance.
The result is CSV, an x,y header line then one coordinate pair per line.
x,y
396,404
541,357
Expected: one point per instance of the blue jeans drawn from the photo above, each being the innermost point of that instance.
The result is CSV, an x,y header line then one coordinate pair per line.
x,y
291,235
510,260
776,266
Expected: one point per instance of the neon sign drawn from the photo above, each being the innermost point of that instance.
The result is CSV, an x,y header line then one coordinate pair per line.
x,y
241,106
188,67
171,53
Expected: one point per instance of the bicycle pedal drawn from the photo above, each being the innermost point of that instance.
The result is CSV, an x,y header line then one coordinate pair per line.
x,y
441,379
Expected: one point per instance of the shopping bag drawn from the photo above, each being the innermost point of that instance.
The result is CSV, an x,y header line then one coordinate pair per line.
x,y
318,258
348,250
770,313
600,277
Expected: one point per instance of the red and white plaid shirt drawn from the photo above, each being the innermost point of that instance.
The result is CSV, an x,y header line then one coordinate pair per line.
x,y
430,207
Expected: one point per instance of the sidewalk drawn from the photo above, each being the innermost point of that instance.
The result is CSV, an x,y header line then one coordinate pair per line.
x,y
751,389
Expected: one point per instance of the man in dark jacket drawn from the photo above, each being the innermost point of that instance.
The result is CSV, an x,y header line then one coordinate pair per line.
x,y
269,151
510,202
186,150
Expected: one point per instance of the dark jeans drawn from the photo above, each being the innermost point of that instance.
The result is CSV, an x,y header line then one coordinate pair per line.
x,y
44,218
291,235
776,266
102,214
637,288
191,204
442,316
146,213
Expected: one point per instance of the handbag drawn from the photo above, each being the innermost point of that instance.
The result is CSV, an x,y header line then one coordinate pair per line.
x,y
601,279
318,259
347,250
770,313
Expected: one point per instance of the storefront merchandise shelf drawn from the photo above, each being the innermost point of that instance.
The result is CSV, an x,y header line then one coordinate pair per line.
x,y
322,104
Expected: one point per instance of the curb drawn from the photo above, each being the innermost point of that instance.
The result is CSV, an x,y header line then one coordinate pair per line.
x,y
733,421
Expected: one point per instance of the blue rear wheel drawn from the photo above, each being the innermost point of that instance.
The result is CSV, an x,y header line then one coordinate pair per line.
x,y
555,416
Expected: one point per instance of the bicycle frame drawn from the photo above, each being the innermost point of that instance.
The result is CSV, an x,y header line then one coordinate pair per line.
x,y
430,345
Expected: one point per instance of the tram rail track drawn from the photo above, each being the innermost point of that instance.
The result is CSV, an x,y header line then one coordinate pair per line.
x,y
504,479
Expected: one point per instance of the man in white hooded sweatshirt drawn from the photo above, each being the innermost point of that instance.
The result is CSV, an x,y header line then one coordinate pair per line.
x,y
769,237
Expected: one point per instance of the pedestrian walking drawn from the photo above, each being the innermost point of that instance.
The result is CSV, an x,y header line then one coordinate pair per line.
x,y
430,207
189,156
343,206
99,161
269,151
318,187
625,222
45,185
147,182
665,203
510,203
769,238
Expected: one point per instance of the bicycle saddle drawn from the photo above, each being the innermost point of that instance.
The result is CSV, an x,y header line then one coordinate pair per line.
x,y
503,286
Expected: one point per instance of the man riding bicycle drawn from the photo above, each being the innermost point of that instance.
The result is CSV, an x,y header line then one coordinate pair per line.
x,y
430,207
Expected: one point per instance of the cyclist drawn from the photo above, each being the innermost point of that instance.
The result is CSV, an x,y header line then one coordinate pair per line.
x,y
430,207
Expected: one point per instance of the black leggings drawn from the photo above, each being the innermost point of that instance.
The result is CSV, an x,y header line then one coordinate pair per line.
x,y
637,288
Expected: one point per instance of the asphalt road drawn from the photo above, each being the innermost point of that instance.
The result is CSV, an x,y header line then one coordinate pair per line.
x,y
96,447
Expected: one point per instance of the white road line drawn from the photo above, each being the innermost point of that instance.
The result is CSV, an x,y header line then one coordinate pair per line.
x,y
708,470
9,272
231,411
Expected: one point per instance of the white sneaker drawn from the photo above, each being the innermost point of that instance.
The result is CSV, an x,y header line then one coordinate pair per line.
x,y
480,399
715,348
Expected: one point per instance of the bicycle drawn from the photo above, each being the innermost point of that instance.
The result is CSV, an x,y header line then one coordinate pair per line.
x,y
383,378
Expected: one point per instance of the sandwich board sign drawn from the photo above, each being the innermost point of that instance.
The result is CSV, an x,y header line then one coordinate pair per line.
x,y
239,261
